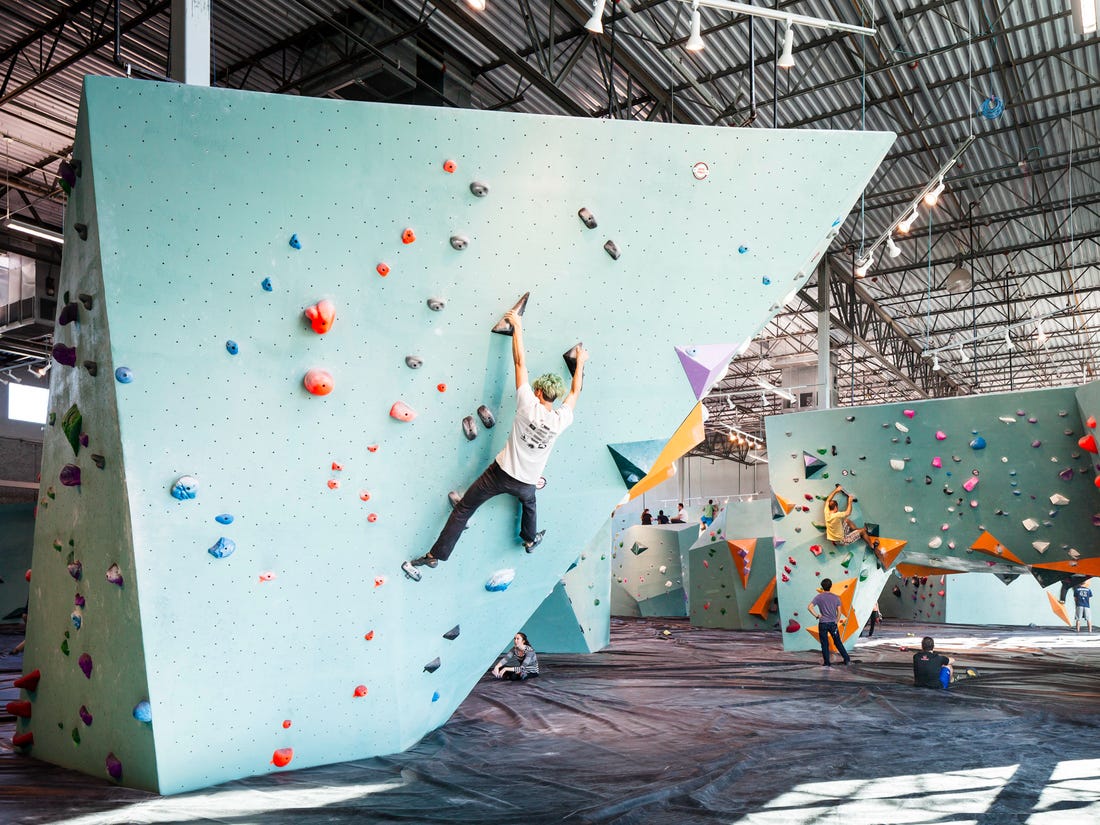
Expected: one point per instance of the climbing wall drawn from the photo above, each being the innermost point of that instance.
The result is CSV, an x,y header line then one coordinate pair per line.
x,y
16,538
732,570
280,310
999,485
647,569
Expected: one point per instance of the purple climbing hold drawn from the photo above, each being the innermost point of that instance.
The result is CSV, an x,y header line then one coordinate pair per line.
x,y
66,356
85,662
79,600
76,570
1066,474
84,440
1036,443
85,716
114,767
68,314
70,475
114,575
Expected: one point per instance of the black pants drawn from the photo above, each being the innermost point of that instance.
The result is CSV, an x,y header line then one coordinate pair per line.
x,y
824,631
493,482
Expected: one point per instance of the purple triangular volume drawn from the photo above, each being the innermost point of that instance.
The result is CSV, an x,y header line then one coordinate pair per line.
x,y
705,364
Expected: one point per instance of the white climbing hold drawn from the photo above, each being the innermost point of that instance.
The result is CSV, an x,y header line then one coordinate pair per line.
x,y
662,568
901,428
913,520
668,584
1040,546
936,542
1030,524
897,464
909,508
1073,554
1059,499
1007,419
951,545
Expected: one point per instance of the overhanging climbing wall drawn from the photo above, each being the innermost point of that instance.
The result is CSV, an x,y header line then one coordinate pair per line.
x,y
266,620
1000,484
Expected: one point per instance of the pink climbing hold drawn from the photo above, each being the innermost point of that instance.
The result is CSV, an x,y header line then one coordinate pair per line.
x,y
319,382
281,758
793,626
1088,442
970,483
268,577
937,462
908,413
372,518
940,435
321,315
360,690
364,495
706,565
402,411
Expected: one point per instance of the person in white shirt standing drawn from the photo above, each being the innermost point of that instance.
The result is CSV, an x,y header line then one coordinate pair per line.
x,y
517,468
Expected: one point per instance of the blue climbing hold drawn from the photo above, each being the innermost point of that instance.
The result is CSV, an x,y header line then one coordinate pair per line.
x,y
766,280
836,222
124,375
223,548
500,580
435,696
977,443
224,518
231,347
297,244
143,711
266,284
185,488
742,249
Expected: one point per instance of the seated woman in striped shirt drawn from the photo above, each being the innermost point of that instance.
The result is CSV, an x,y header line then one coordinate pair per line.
x,y
518,663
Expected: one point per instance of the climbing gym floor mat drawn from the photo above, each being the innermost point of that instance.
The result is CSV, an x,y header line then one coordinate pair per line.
x,y
677,724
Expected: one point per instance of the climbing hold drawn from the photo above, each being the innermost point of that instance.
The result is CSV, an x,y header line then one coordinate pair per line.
x,y
318,382
92,367
408,236
940,435
1007,419
454,498
432,666
294,242
68,314
224,518
901,428
441,387
231,347
908,413
66,356
500,580
1030,524
452,634
435,694
333,484
1067,475
766,281
364,495
587,218
321,315
928,479
81,230
503,326
223,548
29,682
897,464
1087,442
114,575
72,424
571,357
1059,500
382,269
1036,443
741,250
849,418
469,428
337,467
114,767
265,285
267,576
413,362
459,242
70,475
937,462
437,304
372,448
143,711
970,483
379,581
401,411
20,708
372,517
479,189
185,488
815,549
281,757
611,249
67,176
486,416
124,375
85,663
449,166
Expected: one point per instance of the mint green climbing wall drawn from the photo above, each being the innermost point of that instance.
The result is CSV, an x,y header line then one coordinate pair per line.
x,y
307,643
647,569
1034,496
16,540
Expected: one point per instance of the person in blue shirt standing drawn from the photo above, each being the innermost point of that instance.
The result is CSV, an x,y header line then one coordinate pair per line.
x,y
1082,595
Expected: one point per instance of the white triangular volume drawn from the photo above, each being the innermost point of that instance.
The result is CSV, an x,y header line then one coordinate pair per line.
x,y
1073,554
1059,499
897,464
1030,524
1041,546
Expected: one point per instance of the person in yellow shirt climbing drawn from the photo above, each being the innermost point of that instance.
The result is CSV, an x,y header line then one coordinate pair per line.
x,y
840,529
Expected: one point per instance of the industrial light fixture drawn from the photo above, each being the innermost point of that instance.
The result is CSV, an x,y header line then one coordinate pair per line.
x,y
782,393
863,264
905,224
892,249
935,363
786,59
932,196
695,37
595,22
41,370
1008,340
476,5
35,231
1040,333
1085,14
782,16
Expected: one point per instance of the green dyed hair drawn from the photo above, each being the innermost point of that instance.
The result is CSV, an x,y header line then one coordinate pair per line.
x,y
550,384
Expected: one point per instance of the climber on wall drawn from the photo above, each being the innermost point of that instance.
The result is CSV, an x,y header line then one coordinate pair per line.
x,y
518,467
841,530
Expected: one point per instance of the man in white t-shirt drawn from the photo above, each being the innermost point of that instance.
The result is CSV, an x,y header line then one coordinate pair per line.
x,y
518,467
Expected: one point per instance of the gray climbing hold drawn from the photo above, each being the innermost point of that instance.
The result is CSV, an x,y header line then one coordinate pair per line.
x,y
437,304
479,189
99,461
587,217
486,416
433,665
92,367
81,230
503,326
469,428
611,249
86,300
413,362
459,242
452,634
571,358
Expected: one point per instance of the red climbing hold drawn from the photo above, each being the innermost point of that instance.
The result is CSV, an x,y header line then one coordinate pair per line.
x,y
286,724
402,411
369,635
408,236
319,382
441,387
706,605
1088,443
785,578
27,575
383,269
793,626
364,495
337,466
360,690
705,564
333,484
379,581
449,166
28,682
372,518
281,758
20,708
321,315
815,549
808,497
23,740
1091,422
372,448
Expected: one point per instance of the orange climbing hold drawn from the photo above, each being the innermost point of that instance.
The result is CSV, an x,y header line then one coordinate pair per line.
x,y
364,495
281,758
319,382
360,690
28,682
372,448
441,387
321,315
286,724
383,269
408,236
449,166
379,581
268,577
369,635
402,412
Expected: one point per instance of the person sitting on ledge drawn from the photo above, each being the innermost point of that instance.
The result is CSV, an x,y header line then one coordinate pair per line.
x,y
519,663
661,517
647,517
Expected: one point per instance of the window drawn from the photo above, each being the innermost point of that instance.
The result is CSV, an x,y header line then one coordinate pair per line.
x,y
27,403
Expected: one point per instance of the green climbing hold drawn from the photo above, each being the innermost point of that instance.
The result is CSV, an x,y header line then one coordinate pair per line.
x,y
863,573
76,736
844,562
65,647
822,451
597,602
72,424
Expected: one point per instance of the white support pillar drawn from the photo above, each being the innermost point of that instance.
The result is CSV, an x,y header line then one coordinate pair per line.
x,y
191,42
824,370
